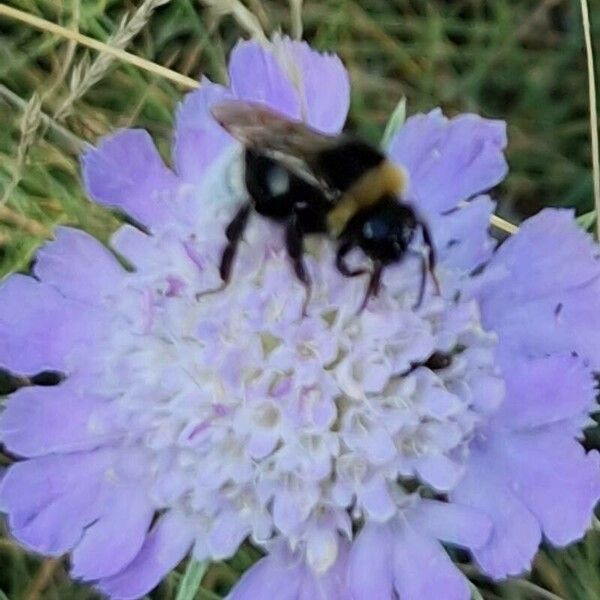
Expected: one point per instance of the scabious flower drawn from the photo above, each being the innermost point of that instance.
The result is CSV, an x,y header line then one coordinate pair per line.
x,y
187,422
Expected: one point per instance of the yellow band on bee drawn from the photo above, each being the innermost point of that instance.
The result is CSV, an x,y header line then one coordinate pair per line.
x,y
384,180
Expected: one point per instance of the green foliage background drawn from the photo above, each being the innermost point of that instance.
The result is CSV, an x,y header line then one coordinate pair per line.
x,y
520,60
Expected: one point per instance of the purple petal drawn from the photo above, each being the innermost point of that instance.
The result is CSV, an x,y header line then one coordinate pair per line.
x,y
227,534
422,569
449,160
322,81
38,493
287,512
516,534
199,140
40,329
294,80
41,420
452,523
277,575
78,266
126,171
439,471
462,237
376,499
256,75
552,263
551,473
377,444
331,585
261,443
546,390
555,291
116,537
370,563
166,544
136,247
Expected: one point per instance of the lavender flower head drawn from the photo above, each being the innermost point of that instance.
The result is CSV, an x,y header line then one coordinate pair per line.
x,y
189,422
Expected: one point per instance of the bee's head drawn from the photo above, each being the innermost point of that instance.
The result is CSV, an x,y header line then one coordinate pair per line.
x,y
384,231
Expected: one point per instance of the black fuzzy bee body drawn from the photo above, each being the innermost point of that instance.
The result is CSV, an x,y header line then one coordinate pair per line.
x,y
339,186
279,194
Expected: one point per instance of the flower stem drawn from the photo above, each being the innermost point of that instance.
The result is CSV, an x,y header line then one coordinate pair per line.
x,y
192,578
585,16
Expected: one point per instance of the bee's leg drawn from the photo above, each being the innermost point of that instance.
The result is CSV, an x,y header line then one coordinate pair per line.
x,y
373,287
432,256
424,264
340,263
294,242
233,232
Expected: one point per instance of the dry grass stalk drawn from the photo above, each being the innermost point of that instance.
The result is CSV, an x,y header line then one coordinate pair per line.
x,y
585,15
24,223
33,116
88,42
74,143
503,224
245,18
30,121
296,18
42,579
69,54
4,238
87,72
256,6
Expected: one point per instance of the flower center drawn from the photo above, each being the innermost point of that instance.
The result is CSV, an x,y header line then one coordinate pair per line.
x,y
236,406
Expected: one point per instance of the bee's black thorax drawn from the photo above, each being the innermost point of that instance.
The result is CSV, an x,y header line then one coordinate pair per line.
x,y
345,163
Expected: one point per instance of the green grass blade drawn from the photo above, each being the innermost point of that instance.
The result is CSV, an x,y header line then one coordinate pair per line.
x,y
192,578
475,593
587,220
393,125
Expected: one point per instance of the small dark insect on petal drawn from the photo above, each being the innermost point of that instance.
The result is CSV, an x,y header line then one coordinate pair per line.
x,y
478,270
558,309
9,382
47,378
438,360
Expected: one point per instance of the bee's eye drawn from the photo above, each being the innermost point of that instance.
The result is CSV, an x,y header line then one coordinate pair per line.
x,y
375,229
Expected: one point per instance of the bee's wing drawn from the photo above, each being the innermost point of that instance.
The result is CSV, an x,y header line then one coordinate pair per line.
x,y
257,126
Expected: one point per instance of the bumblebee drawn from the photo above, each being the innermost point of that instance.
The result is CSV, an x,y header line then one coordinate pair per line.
x,y
312,183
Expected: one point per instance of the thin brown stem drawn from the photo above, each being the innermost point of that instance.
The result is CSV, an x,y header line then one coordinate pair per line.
x,y
593,110
42,579
142,63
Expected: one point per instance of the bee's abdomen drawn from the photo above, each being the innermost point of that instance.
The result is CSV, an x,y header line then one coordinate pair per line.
x,y
276,192
269,185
